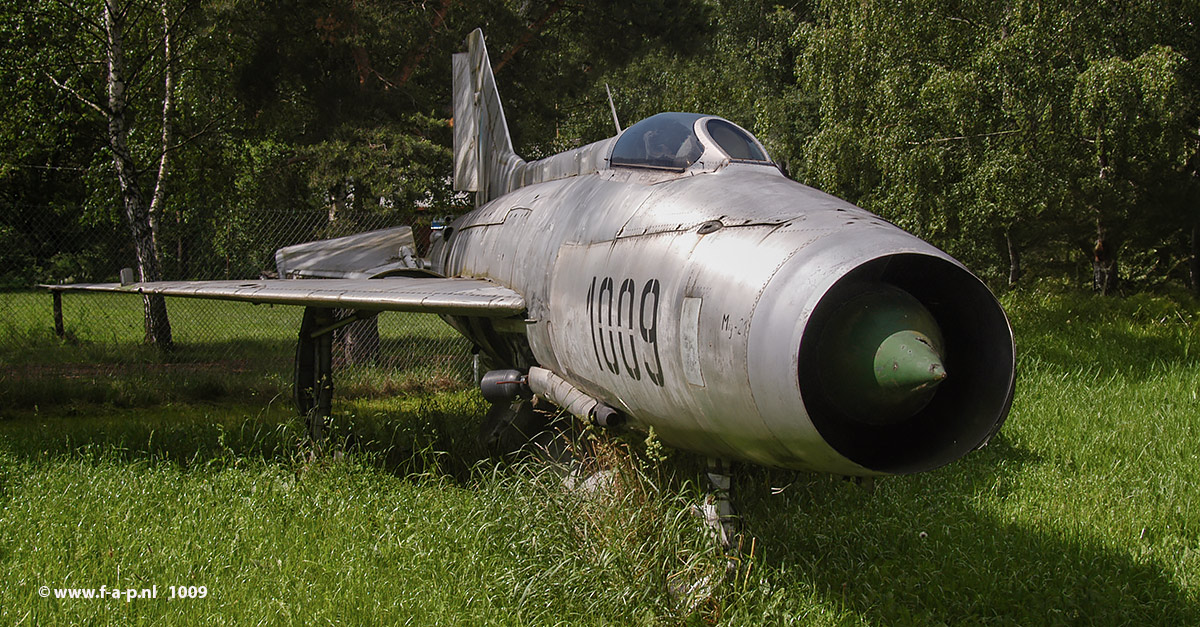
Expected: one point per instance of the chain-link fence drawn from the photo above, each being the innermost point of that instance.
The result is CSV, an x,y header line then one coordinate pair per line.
x,y
220,347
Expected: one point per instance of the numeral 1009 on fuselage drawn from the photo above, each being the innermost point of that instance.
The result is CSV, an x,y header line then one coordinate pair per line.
x,y
623,319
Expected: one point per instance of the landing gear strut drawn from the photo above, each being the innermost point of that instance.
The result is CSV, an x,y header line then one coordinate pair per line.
x,y
717,510
313,377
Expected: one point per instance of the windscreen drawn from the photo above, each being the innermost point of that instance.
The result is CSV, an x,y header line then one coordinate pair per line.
x,y
736,143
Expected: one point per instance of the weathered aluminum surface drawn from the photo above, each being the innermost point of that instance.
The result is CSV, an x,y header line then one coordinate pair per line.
x,y
682,298
359,256
463,297
466,125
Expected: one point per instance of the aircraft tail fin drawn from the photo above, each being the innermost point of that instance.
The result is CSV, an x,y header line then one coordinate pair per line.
x,y
484,160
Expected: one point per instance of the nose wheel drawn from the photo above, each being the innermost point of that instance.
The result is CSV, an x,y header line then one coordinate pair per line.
x,y
717,510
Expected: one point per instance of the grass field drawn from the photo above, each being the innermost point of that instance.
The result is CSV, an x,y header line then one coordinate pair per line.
x,y
224,352
1084,510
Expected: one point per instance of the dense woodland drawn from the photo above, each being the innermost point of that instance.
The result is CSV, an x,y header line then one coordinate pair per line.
x,y
1030,138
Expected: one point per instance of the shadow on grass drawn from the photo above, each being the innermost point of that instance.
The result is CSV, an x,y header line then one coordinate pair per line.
x,y
926,549
122,375
929,549
425,433
1132,355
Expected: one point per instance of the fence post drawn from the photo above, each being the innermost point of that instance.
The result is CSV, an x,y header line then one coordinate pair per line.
x,y
58,322
358,342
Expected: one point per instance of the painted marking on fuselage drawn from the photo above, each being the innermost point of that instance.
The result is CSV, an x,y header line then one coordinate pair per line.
x,y
611,320
689,341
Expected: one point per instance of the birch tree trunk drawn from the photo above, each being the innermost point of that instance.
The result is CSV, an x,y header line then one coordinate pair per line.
x,y
1193,168
1014,258
1106,274
1194,259
137,212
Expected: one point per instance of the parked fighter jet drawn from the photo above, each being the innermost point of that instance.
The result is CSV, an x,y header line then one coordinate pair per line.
x,y
671,277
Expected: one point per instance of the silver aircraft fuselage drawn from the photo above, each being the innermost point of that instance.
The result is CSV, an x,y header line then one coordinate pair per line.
x,y
690,300
672,277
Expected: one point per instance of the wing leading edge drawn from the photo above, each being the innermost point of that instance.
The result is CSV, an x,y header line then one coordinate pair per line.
x,y
454,296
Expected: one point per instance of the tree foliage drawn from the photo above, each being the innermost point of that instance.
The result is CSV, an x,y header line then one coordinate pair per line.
x,y
1044,137
1007,127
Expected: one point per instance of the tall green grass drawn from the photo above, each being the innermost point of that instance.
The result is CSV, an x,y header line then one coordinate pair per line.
x,y
1084,510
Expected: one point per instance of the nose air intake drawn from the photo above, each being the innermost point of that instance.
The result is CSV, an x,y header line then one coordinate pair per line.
x,y
907,364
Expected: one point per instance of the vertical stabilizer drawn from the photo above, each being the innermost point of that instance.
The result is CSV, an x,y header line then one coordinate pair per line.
x,y
484,161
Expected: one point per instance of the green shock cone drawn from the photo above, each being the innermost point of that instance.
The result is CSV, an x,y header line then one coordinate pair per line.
x,y
881,355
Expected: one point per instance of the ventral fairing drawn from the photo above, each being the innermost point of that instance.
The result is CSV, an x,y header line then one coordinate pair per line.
x,y
671,277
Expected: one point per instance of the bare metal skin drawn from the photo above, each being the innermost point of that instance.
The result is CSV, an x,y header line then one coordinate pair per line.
x,y
688,296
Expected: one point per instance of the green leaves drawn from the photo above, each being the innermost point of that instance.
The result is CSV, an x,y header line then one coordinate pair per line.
x,y
970,123
1035,121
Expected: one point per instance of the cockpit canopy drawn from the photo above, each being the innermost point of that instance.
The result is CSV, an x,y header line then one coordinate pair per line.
x,y
674,141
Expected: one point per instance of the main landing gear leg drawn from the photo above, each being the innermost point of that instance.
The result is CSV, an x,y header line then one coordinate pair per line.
x,y
509,427
313,380
313,377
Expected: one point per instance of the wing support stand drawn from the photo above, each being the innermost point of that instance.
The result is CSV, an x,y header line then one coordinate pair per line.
x,y
313,378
